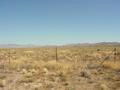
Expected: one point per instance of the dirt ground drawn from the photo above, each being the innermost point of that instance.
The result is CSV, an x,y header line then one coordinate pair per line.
x,y
76,69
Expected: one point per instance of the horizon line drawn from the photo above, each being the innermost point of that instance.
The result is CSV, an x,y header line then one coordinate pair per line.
x,y
60,44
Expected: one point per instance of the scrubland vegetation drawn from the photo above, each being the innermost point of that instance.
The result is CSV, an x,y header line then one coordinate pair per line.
x,y
77,68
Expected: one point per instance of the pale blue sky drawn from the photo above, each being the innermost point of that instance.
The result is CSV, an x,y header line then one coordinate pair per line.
x,y
46,22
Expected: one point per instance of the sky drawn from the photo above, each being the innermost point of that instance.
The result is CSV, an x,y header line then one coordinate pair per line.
x,y
51,22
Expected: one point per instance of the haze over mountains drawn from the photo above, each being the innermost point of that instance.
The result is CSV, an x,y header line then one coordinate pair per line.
x,y
15,46
77,44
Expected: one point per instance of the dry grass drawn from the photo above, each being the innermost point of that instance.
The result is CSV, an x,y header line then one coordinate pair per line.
x,y
37,68
58,66
112,65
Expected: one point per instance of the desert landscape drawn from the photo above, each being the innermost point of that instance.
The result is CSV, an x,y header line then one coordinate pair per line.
x,y
59,44
93,67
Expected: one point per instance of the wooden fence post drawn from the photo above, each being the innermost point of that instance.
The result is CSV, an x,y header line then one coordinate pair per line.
x,y
9,56
56,54
115,54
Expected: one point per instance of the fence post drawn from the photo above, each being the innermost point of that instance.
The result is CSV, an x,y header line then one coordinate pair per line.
x,y
56,54
37,54
9,57
115,54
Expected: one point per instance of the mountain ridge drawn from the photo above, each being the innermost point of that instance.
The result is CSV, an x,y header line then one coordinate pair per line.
x,y
76,44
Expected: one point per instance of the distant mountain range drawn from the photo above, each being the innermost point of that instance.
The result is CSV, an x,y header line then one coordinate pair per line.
x,y
96,44
79,44
108,43
15,46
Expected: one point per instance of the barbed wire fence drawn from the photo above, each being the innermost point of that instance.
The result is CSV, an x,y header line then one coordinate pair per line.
x,y
106,58
9,57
